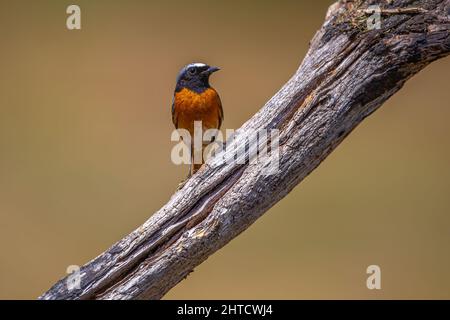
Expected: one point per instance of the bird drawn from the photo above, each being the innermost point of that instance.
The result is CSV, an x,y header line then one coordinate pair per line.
x,y
195,100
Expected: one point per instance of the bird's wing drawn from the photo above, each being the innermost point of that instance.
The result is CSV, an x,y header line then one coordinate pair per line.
x,y
174,114
220,111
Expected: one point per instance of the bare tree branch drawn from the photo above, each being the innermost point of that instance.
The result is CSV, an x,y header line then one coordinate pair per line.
x,y
348,72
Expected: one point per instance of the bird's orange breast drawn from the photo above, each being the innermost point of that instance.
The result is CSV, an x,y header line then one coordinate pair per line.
x,y
190,106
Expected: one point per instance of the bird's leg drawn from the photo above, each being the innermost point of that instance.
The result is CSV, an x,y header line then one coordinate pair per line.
x,y
191,166
198,154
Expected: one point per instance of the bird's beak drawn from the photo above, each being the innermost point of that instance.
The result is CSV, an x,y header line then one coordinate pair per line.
x,y
211,70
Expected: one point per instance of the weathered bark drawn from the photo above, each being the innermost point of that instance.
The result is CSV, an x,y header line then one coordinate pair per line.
x,y
348,72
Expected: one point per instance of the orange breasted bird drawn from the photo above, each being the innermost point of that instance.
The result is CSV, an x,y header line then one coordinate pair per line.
x,y
195,100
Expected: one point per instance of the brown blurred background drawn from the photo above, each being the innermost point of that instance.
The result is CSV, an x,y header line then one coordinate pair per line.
x,y
85,152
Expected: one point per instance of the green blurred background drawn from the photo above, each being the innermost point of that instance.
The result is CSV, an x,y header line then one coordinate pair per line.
x,y
85,152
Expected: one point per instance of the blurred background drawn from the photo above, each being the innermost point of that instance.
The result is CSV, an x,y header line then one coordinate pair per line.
x,y
85,146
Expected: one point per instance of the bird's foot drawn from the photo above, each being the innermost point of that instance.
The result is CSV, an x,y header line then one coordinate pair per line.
x,y
182,183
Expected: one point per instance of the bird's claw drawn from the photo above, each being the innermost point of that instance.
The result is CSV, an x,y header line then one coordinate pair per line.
x,y
182,183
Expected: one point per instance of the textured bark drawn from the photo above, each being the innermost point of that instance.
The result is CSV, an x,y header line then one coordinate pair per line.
x,y
348,72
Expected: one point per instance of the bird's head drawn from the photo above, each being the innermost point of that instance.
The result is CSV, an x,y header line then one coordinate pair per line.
x,y
195,77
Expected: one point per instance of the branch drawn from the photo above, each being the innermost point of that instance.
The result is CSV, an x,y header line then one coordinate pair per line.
x,y
347,74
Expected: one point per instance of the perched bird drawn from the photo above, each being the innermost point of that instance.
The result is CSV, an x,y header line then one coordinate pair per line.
x,y
195,100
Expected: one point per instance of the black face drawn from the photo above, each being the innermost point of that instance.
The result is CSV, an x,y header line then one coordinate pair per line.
x,y
195,77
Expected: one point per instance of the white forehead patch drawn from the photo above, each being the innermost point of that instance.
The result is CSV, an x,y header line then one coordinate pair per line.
x,y
197,64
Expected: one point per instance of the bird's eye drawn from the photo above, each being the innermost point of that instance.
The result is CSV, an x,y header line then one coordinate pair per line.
x,y
192,71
